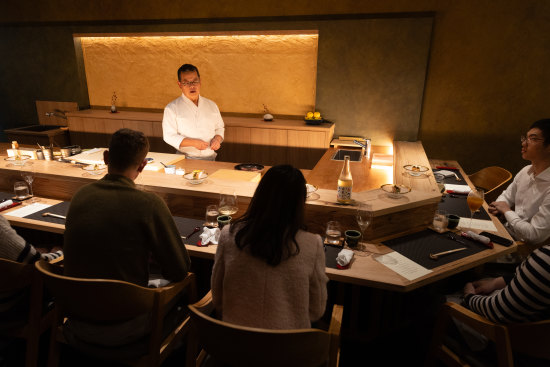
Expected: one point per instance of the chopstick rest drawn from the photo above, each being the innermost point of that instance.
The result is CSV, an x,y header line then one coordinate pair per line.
x,y
479,238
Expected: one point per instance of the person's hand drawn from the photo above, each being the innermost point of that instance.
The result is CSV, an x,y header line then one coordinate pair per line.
x,y
200,144
56,248
498,207
216,142
488,285
469,289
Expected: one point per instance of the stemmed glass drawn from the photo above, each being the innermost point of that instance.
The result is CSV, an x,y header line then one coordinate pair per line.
x,y
228,203
364,219
475,200
28,176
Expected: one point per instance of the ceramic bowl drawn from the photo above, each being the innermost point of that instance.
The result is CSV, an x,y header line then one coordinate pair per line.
x,y
395,191
195,181
415,170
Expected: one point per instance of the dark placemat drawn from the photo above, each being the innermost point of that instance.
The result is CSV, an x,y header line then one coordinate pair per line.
x,y
456,204
418,247
331,252
452,179
60,209
6,195
186,226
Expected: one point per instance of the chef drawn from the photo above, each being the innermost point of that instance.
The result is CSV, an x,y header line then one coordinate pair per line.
x,y
192,123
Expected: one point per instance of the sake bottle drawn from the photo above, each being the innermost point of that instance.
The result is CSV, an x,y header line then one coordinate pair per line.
x,y
345,183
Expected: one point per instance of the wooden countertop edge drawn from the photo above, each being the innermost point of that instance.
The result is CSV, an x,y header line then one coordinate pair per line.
x,y
230,121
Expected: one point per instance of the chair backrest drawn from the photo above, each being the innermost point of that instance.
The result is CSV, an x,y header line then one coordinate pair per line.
x,y
530,339
245,346
491,179
97,300
15,275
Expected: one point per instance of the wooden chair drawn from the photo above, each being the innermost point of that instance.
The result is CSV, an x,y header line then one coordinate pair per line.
x,y
529,339
102,301
245,346
17,277
491,180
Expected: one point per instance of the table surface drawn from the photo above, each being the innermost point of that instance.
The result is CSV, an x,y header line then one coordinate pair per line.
x,y
364,270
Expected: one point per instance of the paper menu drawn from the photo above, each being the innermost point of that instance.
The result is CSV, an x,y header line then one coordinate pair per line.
x,y
402,265
28,210
484,225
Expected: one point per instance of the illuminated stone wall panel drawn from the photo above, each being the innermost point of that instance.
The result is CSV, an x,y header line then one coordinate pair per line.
x,y
240,73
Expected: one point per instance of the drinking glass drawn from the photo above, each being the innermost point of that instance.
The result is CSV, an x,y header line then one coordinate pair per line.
x,y
475,200
228,203
212,214
333,233
364,217
28,176
21,190
440,220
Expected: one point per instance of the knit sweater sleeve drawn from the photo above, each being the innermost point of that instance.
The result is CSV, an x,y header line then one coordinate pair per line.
x,y
13,246
527,296
318,284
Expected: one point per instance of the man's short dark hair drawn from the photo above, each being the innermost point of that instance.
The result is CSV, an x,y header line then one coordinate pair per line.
x,y
544,126
185,68
128,148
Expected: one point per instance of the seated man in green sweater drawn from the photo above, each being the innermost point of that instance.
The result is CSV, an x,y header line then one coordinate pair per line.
x,y
115,231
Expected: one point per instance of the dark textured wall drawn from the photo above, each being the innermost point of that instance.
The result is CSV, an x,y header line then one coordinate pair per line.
x,y
370,75
487,77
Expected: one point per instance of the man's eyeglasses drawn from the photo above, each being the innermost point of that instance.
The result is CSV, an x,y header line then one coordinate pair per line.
x,y
530,139
190,84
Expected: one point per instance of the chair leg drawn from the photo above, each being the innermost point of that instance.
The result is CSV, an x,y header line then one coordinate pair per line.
x,y
31,349
53,352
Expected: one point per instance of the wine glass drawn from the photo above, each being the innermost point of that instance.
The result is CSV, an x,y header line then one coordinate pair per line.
x,y
475,200
28,176
364,217
228,203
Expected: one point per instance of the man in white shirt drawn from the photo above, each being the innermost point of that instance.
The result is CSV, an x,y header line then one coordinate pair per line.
x,y
529,193
192,123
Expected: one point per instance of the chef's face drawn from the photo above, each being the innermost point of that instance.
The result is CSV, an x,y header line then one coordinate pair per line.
x,y
190,85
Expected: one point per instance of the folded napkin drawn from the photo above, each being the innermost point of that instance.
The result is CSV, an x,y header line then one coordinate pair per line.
x,y
458,189
210,235
446,173
5,204
477,237
157,282
344,257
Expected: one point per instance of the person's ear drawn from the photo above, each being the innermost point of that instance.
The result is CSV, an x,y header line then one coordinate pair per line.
x,y
106,157
142,166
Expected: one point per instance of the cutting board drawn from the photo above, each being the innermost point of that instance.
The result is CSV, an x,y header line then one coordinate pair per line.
x,y
234,175
95,156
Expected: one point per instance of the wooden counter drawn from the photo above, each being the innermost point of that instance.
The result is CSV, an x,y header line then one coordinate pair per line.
x,y
247,139
393,217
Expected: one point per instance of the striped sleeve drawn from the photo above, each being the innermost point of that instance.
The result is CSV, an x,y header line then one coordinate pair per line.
x,y
526,297
52,255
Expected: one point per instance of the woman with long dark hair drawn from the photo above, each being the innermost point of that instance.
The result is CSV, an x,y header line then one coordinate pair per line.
x,y
269,272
